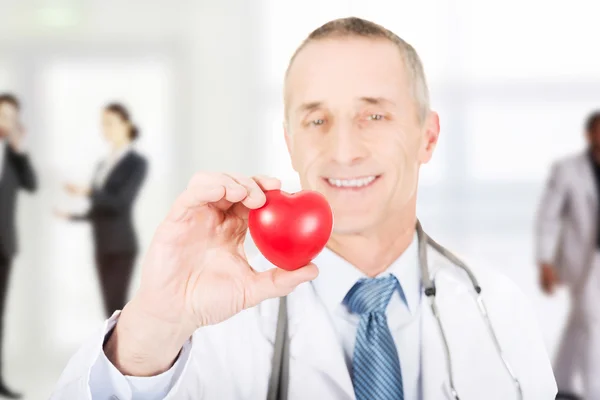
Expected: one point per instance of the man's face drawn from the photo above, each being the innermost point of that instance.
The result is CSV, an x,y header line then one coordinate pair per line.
x,y
8,119
353,130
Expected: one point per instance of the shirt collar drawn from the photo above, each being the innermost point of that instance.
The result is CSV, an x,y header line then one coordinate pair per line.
x,y
337,276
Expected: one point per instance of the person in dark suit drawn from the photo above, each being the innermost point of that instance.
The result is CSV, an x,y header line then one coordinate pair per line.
x,y
16,173
113,192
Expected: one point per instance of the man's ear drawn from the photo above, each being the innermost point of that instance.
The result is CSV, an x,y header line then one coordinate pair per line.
x,y
431,136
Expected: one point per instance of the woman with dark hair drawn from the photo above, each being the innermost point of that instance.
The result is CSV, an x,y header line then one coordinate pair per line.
x,y
115,186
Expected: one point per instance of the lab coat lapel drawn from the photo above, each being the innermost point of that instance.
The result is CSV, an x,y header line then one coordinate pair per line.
x,y
476,366
314,343
434,383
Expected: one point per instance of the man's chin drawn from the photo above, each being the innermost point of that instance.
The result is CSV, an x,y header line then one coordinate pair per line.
x,y
351,224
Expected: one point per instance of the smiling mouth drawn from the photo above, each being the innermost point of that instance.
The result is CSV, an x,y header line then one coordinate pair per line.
x,y
352,183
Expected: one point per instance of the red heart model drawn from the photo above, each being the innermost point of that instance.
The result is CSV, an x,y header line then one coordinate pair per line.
x,y
291,229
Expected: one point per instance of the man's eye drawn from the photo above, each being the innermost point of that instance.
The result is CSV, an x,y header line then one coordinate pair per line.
x,y
375,117
317,122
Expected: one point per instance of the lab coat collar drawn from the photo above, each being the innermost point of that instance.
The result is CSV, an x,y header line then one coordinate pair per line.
x,y
433,364
337,276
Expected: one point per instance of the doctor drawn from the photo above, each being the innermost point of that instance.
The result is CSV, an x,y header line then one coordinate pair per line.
x,y
203,323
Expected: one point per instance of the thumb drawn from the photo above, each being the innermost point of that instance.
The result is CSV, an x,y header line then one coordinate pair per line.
x,y
278,282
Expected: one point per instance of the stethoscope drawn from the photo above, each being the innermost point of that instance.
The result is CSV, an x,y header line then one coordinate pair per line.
x,y
279,380
430,292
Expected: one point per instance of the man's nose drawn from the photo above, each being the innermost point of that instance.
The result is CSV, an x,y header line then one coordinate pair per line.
x,y
346,144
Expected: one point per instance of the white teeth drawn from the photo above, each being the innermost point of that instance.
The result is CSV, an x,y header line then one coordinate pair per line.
x,y
351,182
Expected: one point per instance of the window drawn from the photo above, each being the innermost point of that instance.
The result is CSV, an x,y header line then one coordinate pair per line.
x,y
534,40
517,140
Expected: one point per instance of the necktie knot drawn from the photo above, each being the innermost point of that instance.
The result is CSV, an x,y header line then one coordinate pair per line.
x,y
371,295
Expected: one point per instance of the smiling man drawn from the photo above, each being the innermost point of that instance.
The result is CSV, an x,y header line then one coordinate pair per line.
x,y
358,323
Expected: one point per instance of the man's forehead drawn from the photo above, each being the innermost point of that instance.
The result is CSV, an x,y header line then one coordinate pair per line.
x,y
348,68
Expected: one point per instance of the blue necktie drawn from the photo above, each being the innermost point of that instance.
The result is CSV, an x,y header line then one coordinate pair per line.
x,y
376,373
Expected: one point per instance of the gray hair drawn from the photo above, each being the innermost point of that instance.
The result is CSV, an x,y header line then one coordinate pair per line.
x,y
357,27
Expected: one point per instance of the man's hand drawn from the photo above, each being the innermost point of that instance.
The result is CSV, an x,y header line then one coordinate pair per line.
x,y
77,190
195,273
548,278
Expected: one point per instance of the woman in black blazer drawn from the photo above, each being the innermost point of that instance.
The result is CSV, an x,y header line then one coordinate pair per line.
x,y
114,189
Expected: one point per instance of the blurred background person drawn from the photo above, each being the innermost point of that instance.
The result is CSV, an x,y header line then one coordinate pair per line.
x,y
568,252
116,184
16,173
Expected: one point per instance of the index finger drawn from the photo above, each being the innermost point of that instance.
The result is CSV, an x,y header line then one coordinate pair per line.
x,y
267,182
264,183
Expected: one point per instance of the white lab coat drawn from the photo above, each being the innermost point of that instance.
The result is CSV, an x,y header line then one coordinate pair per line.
x,y
232,360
